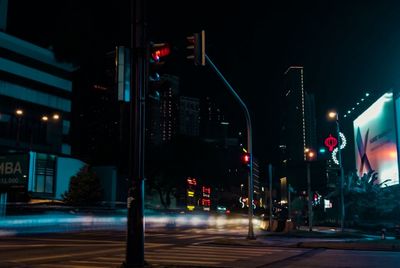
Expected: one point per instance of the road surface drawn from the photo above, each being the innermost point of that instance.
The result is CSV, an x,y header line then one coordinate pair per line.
x,y
187,247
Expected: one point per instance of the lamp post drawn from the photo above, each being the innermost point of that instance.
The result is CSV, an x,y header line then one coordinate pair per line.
x,y
18,113
334,115
310,157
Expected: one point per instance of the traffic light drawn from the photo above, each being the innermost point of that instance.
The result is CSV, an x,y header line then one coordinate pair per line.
x,y
197,48
158,51
246,158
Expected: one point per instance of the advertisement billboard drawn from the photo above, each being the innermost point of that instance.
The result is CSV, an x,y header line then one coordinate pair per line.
x,y
376,141
14,169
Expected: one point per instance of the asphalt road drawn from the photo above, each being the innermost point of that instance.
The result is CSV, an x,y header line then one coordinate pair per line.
x,y
164,248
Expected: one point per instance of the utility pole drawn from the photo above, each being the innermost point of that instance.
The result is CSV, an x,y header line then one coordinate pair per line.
x,y
135,222
249,144
270,196
310,213
342,210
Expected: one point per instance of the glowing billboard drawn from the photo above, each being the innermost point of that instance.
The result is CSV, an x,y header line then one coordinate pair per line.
x,y
376,142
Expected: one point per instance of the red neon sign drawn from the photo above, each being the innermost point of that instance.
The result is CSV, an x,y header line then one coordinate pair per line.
x,y
191,181
331,142
206,190
206,202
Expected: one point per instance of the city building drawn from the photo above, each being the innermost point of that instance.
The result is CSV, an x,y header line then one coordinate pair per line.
x,y
310,121
35,120
212,121
98,115
298,126
189,116
163,110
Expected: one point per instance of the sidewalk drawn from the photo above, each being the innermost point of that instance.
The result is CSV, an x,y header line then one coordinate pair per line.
x,y
320,237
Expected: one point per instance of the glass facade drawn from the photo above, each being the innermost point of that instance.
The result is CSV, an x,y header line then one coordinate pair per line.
x,y
44,174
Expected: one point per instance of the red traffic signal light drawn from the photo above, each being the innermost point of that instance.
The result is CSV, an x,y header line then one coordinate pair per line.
x,y
246,159
159,50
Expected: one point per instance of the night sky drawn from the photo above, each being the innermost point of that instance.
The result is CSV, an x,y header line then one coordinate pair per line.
x,y
346,47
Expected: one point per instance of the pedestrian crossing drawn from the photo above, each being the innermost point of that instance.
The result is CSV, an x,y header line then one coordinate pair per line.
x,y
188,255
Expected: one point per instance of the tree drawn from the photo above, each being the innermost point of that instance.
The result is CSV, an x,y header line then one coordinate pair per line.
x,y
170,164
366,199
84,188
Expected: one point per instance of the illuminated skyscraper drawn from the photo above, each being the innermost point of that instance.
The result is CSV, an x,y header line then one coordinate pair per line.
x,y
294,125
298,129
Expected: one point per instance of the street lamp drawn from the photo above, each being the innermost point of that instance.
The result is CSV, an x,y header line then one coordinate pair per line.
x,y
56,116
335,116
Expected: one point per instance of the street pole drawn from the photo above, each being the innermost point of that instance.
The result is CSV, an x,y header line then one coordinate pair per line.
x,y
310,214
135,222
250,234
342,210
270,196
289,203
18,130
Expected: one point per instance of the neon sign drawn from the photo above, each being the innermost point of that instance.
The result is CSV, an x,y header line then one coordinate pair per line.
x,y
331,142
206,202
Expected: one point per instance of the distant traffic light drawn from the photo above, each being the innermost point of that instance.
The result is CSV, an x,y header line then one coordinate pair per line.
x,y
310,155
246,158
197,48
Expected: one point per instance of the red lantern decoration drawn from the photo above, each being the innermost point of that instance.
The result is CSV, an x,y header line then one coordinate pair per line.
x,y
331,142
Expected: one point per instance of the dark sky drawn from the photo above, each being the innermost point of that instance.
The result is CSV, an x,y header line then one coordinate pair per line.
x,y
346,47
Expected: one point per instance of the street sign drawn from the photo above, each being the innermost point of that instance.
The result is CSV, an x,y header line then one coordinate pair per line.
x,y
14,169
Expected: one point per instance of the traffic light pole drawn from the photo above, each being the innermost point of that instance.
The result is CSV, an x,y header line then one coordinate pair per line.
x,y
135,219
249,145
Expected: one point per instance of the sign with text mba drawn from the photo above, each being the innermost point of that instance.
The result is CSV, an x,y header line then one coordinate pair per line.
x,y
13,169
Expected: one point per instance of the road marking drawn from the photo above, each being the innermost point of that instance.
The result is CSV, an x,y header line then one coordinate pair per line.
x,y
107,263
69,256
74,240
185,255
59,265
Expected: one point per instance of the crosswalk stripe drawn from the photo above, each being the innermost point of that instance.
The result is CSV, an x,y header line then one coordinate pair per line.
x,y
157,257
210,238
59,265
155,245
227,249
190,236
104,262
237,248
191,262
210,253
163,259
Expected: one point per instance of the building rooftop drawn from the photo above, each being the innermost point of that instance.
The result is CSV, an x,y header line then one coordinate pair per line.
x,y
30,50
